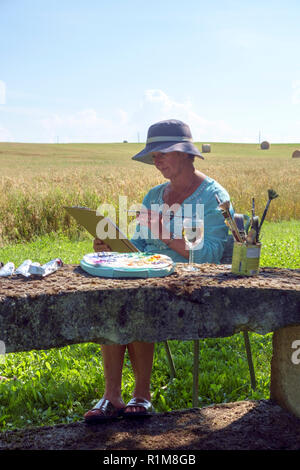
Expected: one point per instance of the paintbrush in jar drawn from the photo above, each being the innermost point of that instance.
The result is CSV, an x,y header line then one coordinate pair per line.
x,y
225,209
239,221
272,195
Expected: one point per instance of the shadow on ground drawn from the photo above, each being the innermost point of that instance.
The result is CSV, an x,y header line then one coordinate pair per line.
x,y
245,425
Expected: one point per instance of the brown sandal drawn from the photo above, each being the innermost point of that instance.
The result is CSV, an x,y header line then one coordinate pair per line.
x,y
104,410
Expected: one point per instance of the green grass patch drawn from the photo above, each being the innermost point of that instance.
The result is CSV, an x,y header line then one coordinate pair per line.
x,y
43,249
281,244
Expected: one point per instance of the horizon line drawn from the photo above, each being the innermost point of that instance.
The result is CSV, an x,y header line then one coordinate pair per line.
x,y
144,143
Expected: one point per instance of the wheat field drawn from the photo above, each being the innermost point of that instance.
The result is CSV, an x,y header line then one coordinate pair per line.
x,y
37,180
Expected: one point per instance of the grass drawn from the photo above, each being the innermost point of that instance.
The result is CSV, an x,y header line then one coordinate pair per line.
x,y
281,244
59,385
42,249
37,180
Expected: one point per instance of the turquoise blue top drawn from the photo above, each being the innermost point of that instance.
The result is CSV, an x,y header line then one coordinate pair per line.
x,y
215,229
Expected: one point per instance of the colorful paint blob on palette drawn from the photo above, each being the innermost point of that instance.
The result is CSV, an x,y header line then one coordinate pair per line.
x,y
127,260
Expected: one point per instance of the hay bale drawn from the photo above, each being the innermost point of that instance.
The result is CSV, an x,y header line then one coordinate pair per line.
x,y
206,148
265,145
296,153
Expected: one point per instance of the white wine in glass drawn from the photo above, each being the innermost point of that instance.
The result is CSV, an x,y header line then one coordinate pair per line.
x,y
193,234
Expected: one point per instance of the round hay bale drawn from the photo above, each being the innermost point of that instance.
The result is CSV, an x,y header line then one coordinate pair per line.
x,y
296,153
265,145
206,148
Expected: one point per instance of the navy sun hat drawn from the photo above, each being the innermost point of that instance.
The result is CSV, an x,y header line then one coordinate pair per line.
x,y
167,136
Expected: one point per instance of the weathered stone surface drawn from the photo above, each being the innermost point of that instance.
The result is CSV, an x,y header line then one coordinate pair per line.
x,y
70,306
285,369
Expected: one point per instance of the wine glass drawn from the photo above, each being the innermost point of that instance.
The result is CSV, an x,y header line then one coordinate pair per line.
x,y
193,234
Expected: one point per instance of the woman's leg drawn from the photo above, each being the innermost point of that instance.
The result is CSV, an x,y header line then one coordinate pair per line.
x,y
113,358
141,357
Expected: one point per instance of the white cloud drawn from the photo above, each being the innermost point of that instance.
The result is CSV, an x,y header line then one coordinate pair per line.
x,y
84,126
131,124
156,105
123,116
5,135
89,125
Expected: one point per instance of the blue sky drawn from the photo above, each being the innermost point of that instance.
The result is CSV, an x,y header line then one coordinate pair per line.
x,y
104,71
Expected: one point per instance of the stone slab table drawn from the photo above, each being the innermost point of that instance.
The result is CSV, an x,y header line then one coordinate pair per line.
x,y
70,306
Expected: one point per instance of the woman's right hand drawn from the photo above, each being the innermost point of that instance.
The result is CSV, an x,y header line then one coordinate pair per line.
x,y
99,245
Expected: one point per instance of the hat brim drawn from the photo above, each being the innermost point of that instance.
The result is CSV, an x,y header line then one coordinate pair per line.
x,y
145,155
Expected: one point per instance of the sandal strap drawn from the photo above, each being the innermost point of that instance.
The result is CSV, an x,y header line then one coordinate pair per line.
x,y
102,403
106,407
141,402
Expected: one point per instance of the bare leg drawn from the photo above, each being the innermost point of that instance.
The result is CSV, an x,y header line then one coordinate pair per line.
x,y
113,358
141,357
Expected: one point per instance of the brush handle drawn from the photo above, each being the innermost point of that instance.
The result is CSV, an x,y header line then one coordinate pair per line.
x,y
227,216
264,214
232,226
255,226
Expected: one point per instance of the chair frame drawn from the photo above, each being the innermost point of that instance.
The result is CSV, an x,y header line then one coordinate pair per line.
x,y
226,259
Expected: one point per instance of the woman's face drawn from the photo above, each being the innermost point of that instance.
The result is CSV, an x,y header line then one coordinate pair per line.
x,y
170,164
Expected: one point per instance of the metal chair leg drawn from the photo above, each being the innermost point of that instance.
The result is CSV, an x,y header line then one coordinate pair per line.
x,y
196,374
170,360
196,366
250,361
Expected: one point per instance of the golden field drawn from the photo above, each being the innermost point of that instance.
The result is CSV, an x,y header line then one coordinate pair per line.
x,y
37,180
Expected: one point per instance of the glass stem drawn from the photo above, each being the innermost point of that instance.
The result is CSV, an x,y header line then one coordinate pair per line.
x,y
191,257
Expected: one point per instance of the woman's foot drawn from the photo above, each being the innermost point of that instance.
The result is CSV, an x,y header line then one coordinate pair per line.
x,y
138,407
105,410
